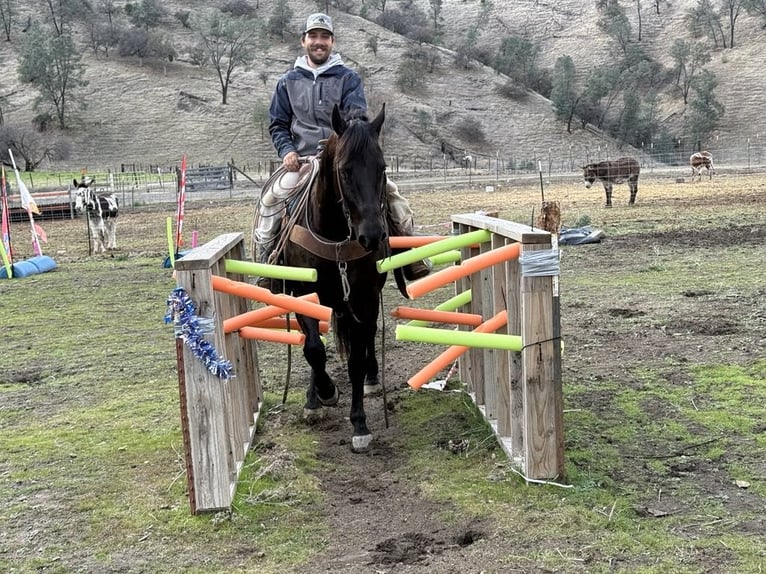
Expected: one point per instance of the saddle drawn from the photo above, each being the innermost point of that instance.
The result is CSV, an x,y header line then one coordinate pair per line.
x,y
295,199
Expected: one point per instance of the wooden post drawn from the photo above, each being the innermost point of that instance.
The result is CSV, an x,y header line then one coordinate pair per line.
x,y
218,416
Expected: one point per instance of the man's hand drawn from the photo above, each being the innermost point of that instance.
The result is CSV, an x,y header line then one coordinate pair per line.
x,y
290,161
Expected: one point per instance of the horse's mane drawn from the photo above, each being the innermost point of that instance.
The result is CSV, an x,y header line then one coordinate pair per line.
x,y
358,137
357,140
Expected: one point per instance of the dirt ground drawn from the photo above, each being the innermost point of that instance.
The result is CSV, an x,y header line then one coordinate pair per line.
x,y
381,523
380,527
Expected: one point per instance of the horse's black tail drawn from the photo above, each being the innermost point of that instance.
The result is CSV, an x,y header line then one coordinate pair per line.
x,y
342,335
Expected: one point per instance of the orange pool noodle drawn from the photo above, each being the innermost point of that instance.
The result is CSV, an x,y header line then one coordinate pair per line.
x,y
255,316
280,323
452,353
410,241
434,316
300,306
467,267
272,335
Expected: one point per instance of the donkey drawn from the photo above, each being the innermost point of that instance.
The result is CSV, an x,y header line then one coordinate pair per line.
x,y
101,211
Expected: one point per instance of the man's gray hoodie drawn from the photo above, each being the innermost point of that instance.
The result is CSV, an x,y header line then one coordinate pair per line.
x,y
301,108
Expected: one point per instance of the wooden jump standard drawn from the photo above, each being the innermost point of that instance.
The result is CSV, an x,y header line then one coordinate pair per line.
x,y
218,417
519,392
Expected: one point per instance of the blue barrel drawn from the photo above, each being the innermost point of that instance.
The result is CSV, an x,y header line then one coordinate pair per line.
x,y
24,269
43,263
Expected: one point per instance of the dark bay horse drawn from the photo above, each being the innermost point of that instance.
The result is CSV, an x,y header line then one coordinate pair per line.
x,y
342,235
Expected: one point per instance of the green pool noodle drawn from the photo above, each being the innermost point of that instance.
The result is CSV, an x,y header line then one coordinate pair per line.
x,y
449,242
272,271
446,257
462,338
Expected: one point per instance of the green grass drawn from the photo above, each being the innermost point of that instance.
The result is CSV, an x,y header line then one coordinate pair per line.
x,y
92,469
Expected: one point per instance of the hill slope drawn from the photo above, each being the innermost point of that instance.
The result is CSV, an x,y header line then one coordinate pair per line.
x,y
149,114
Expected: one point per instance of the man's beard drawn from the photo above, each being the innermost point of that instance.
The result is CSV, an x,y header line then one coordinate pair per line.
x,y
318,60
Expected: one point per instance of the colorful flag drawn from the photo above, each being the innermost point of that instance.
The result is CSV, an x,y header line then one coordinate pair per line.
x,y
41,233
26,198
5,227
29,204
181,202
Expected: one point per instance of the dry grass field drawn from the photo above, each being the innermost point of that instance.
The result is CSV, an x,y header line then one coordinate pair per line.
x,y
151,113
664,326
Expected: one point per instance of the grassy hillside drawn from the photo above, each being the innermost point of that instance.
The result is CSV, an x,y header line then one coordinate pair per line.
x,y
152,114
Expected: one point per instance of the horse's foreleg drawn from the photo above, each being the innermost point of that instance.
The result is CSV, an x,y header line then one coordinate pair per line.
x,y
633,185
321,390
362,339
371,380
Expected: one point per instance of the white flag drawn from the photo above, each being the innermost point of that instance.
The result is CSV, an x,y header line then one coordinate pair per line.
x,y
26,198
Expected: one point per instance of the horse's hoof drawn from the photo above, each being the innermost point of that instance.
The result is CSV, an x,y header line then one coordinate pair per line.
x,y
361,443
313,415
371,387
333,400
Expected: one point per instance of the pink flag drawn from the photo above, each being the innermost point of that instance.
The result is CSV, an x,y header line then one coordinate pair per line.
x,y
41,233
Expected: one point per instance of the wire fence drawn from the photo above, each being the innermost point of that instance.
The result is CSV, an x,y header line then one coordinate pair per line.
x,y
136,186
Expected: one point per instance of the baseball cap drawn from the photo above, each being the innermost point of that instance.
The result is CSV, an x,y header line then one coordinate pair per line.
x,y
318,21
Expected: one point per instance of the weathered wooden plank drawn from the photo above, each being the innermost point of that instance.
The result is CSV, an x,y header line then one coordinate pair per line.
x,y
219,417
541,403
461,285
501,359
236,404
488,356
204,256
205,401
476,355
511,230
516,420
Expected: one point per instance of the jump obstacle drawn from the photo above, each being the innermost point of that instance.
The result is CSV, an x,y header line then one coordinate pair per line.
x,y
509,347
511,362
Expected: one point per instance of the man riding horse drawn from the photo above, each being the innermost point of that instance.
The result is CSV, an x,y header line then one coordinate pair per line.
x,y
301,119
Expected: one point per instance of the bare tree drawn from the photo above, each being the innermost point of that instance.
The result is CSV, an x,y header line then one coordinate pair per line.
x,y
61,13
6,16
436,14
757,8
688,59
704,20
32,146
731,10
228,44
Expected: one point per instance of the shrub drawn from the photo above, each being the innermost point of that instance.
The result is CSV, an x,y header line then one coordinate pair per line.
x,y
469,130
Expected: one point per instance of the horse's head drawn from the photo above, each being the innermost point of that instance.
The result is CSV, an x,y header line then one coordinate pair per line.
x,y
360,176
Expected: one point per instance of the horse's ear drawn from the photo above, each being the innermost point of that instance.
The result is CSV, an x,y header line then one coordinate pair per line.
x,y
377,123
338,123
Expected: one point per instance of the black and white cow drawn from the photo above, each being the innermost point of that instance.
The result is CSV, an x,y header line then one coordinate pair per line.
x,y
700,160
101,211
611,172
